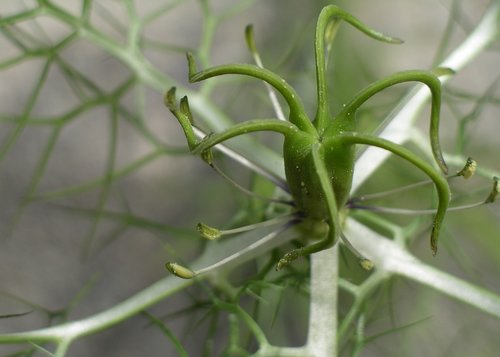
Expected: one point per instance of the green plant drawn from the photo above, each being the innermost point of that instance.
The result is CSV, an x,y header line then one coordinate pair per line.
x,y
240,302
319,155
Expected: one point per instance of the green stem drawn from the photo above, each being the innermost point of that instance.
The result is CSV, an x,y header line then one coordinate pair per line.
x,y
247,319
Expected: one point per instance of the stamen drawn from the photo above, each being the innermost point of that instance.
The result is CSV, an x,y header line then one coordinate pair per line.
x,y
212,233
186,273
490,199
208,232
365,263
414,212
466,172
207,157
373,196
264,240
278,181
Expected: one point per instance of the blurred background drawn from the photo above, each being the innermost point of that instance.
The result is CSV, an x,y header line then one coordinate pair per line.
x,y
66,223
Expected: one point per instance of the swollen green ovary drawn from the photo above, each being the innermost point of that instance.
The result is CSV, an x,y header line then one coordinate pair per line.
x,y
303,180
339,160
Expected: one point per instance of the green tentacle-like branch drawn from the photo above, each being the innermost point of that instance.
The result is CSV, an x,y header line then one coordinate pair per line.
x,y
439,181
297,116
275,125
426,77
326,29
185,118
183,115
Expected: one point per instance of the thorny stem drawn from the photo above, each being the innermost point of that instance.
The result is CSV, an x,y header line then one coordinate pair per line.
x,y
439,181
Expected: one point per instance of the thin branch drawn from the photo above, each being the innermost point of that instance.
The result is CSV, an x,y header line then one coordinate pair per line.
x,y
392,258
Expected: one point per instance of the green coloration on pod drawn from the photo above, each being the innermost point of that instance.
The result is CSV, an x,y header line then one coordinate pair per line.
x,y
319,153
